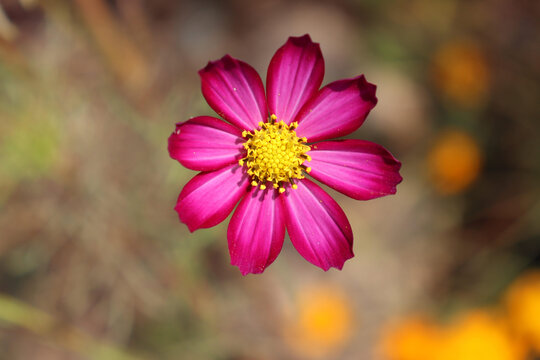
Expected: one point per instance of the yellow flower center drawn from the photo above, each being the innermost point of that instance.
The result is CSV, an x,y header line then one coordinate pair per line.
x,y
275,154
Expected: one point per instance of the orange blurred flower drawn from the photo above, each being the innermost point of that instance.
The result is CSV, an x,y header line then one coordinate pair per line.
x,y
522,302
413,338
322,323
460,71
454,162
479,335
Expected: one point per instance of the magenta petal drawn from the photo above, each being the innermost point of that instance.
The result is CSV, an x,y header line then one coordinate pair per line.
x,y
337,110
294,75
235,91
318,228
256,231
209,197
205,143
360,169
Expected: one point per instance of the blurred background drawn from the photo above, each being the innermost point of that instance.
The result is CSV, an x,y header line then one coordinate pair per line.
x,y
94,263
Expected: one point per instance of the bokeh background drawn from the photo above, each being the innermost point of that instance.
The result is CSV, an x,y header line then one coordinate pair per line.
x,y
94,263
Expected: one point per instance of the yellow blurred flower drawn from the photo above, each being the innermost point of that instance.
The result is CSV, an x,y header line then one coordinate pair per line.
x,y
479,335
454,162
522,302
322,323
461,73
413,338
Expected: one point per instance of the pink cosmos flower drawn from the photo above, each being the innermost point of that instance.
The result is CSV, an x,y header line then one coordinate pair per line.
x,y
261,157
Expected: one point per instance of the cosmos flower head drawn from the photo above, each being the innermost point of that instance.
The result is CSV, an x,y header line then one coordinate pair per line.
x,y
269,146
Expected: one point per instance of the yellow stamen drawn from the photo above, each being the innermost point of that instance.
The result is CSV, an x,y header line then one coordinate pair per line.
x,y
275,154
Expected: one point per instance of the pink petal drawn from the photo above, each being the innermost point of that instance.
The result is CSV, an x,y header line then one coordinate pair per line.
x,y
318,228
360,169
256,231
209,197
337,110
235,91
205,143
294,76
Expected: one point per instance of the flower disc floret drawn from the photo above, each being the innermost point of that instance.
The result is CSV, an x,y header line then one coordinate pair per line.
x,y
275,154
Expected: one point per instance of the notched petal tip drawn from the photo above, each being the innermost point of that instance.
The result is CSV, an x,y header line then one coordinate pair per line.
x,y
304,40
395,179
337,266
367,90
398,179
171,141
178,210
170,144
249,270
227,60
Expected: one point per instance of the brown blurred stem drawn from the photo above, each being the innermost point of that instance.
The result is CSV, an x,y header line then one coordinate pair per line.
x,y
123,56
